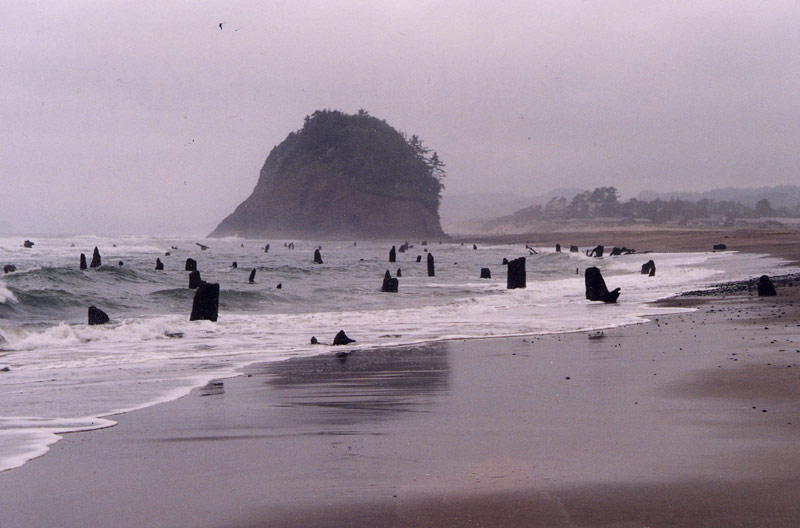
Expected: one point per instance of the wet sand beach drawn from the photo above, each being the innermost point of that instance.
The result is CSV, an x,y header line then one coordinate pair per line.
x,y
689,420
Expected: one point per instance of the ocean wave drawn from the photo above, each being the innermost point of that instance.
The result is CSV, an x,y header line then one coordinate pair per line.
x,y
6,295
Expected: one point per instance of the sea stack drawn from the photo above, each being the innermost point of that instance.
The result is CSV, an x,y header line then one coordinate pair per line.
x,y
649,268
159,264
486,273
344,177
9,268
558,248
252,277
83,262
392,255
516,274
194,279
206,302
96,260
431,268
317,257
191,264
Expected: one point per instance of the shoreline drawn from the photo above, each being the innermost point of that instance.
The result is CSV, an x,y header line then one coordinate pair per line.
x,y
333,415
777,242
152,426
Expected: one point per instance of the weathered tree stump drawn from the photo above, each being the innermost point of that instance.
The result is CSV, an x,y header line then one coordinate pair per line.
x,y
390,285
206,302
342,339
97,316
96,260
516,274
596,289
765,287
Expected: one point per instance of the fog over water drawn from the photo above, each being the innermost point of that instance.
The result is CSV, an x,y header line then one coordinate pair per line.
x,y
151,117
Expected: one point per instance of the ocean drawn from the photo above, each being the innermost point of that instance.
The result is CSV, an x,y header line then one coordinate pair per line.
x,y
59,375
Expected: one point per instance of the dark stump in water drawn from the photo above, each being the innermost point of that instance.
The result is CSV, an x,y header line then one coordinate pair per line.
x,y
765,287
266,248
615,251
596,289
342,339
392,254
191,264
486,273
516,274
159,264
97,316
235,264
419,258
206,302
28,244
194,279
9,268
558,248
649,268
431,267
96,260
252,277
83,262
573,249
596,252
317,257
390,285
720,247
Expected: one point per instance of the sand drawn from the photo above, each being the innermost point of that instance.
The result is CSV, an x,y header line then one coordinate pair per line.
x,y
690,420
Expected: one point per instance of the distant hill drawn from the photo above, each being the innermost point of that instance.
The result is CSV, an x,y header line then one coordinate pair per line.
x,y
343,176
779,196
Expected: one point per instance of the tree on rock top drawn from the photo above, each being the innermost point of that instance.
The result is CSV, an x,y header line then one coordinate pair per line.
x,y
343,175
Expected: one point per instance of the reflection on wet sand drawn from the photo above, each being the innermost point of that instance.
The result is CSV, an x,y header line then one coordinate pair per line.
x,y
361,386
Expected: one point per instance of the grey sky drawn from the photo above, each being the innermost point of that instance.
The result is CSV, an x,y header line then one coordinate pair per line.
x,y
145,116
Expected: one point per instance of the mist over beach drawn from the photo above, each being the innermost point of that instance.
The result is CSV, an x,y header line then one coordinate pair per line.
x,y
421,264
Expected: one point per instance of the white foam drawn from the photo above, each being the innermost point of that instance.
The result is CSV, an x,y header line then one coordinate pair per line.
x,y
6,295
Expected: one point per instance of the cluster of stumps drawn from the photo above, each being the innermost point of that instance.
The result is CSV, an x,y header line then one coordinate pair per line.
x,y
205,305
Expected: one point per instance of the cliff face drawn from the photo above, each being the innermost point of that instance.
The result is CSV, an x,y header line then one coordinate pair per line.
x,y
343,176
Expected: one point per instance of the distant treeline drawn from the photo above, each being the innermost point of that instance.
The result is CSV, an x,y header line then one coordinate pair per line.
x,y
603,202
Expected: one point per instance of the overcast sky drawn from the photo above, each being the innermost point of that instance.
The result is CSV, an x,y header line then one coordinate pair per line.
x,y
147,117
